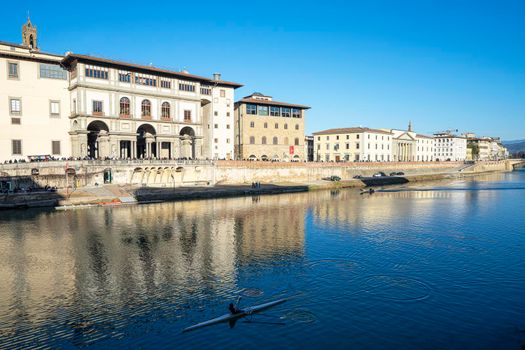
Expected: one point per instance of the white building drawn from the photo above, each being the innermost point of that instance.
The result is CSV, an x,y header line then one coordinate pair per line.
x,y
449,147
34,101
353,145
85,106
408,146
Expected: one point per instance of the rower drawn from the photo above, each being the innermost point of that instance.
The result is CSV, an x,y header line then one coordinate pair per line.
x,y
233,309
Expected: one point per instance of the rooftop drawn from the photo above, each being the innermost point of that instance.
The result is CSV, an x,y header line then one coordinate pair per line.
x,y
353,130
71,57
248,99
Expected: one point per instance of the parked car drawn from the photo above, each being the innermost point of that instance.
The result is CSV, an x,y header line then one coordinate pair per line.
x,y
332,178
358,177
398,173
379,174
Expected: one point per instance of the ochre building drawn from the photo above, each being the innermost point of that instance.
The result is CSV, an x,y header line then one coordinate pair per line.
x,y
269,130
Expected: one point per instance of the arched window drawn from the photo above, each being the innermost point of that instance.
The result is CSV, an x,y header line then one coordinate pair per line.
x,y
266,125
286,126
296,126
275,140
166,110
286,140
146,108
252,140
296,141
264,140
124,107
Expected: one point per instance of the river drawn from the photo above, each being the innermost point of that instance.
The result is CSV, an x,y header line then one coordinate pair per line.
x,y
427,266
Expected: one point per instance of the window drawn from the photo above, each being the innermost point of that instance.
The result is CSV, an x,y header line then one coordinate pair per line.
x,y
275,140
98,108
187,87
357,136
263,141
205,90
275,111
227,126
227,114
12,70
74,105
16,147
266,125
55,147
227,140
52,71
15,106
327,146
277,125
251,109
285,126
166,111
223,93
347,137
263,110
252,140
54,108
124,107
296,141
252,124
146,80
166,84
296,126
216,113
146,108
216,126
337,137
124,76
187,116
296,113
347,146
96,72
286,112
216,140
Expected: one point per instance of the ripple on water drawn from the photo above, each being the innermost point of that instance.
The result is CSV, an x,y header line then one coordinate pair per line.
x,y
251,292
396,288
339,263
300,316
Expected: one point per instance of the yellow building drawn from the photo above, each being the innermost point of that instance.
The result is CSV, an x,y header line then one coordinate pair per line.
x,y
269,130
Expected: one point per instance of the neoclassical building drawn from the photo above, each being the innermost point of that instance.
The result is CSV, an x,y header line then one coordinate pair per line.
x,y
269,130
408,146
96,107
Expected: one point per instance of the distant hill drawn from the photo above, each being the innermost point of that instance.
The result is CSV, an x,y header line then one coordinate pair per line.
x,y
515,146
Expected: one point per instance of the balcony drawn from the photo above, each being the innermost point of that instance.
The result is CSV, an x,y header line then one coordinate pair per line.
x,y
125,116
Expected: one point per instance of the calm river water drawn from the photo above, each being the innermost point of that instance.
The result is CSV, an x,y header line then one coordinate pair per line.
x,y
430,266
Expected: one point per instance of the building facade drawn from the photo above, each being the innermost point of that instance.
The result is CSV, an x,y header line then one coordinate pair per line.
x,y
99,108
408,146
125,110
449,147
353,145
309,148
34,101
269,130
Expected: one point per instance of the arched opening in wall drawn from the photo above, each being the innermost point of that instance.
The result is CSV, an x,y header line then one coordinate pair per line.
x,y
264,158
296,158
75,125
146,145
275,158
252,157
187,139
96,130
108,176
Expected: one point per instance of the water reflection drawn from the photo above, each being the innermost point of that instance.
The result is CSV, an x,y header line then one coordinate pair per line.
x,y
93,277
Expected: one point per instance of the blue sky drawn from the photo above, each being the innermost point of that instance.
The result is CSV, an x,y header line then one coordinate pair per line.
x,y
442,64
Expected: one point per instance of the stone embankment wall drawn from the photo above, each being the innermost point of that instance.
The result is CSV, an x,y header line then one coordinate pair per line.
x,y
235,172
76,174
487,166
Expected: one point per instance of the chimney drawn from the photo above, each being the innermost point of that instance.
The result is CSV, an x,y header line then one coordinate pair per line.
x,y
216,76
